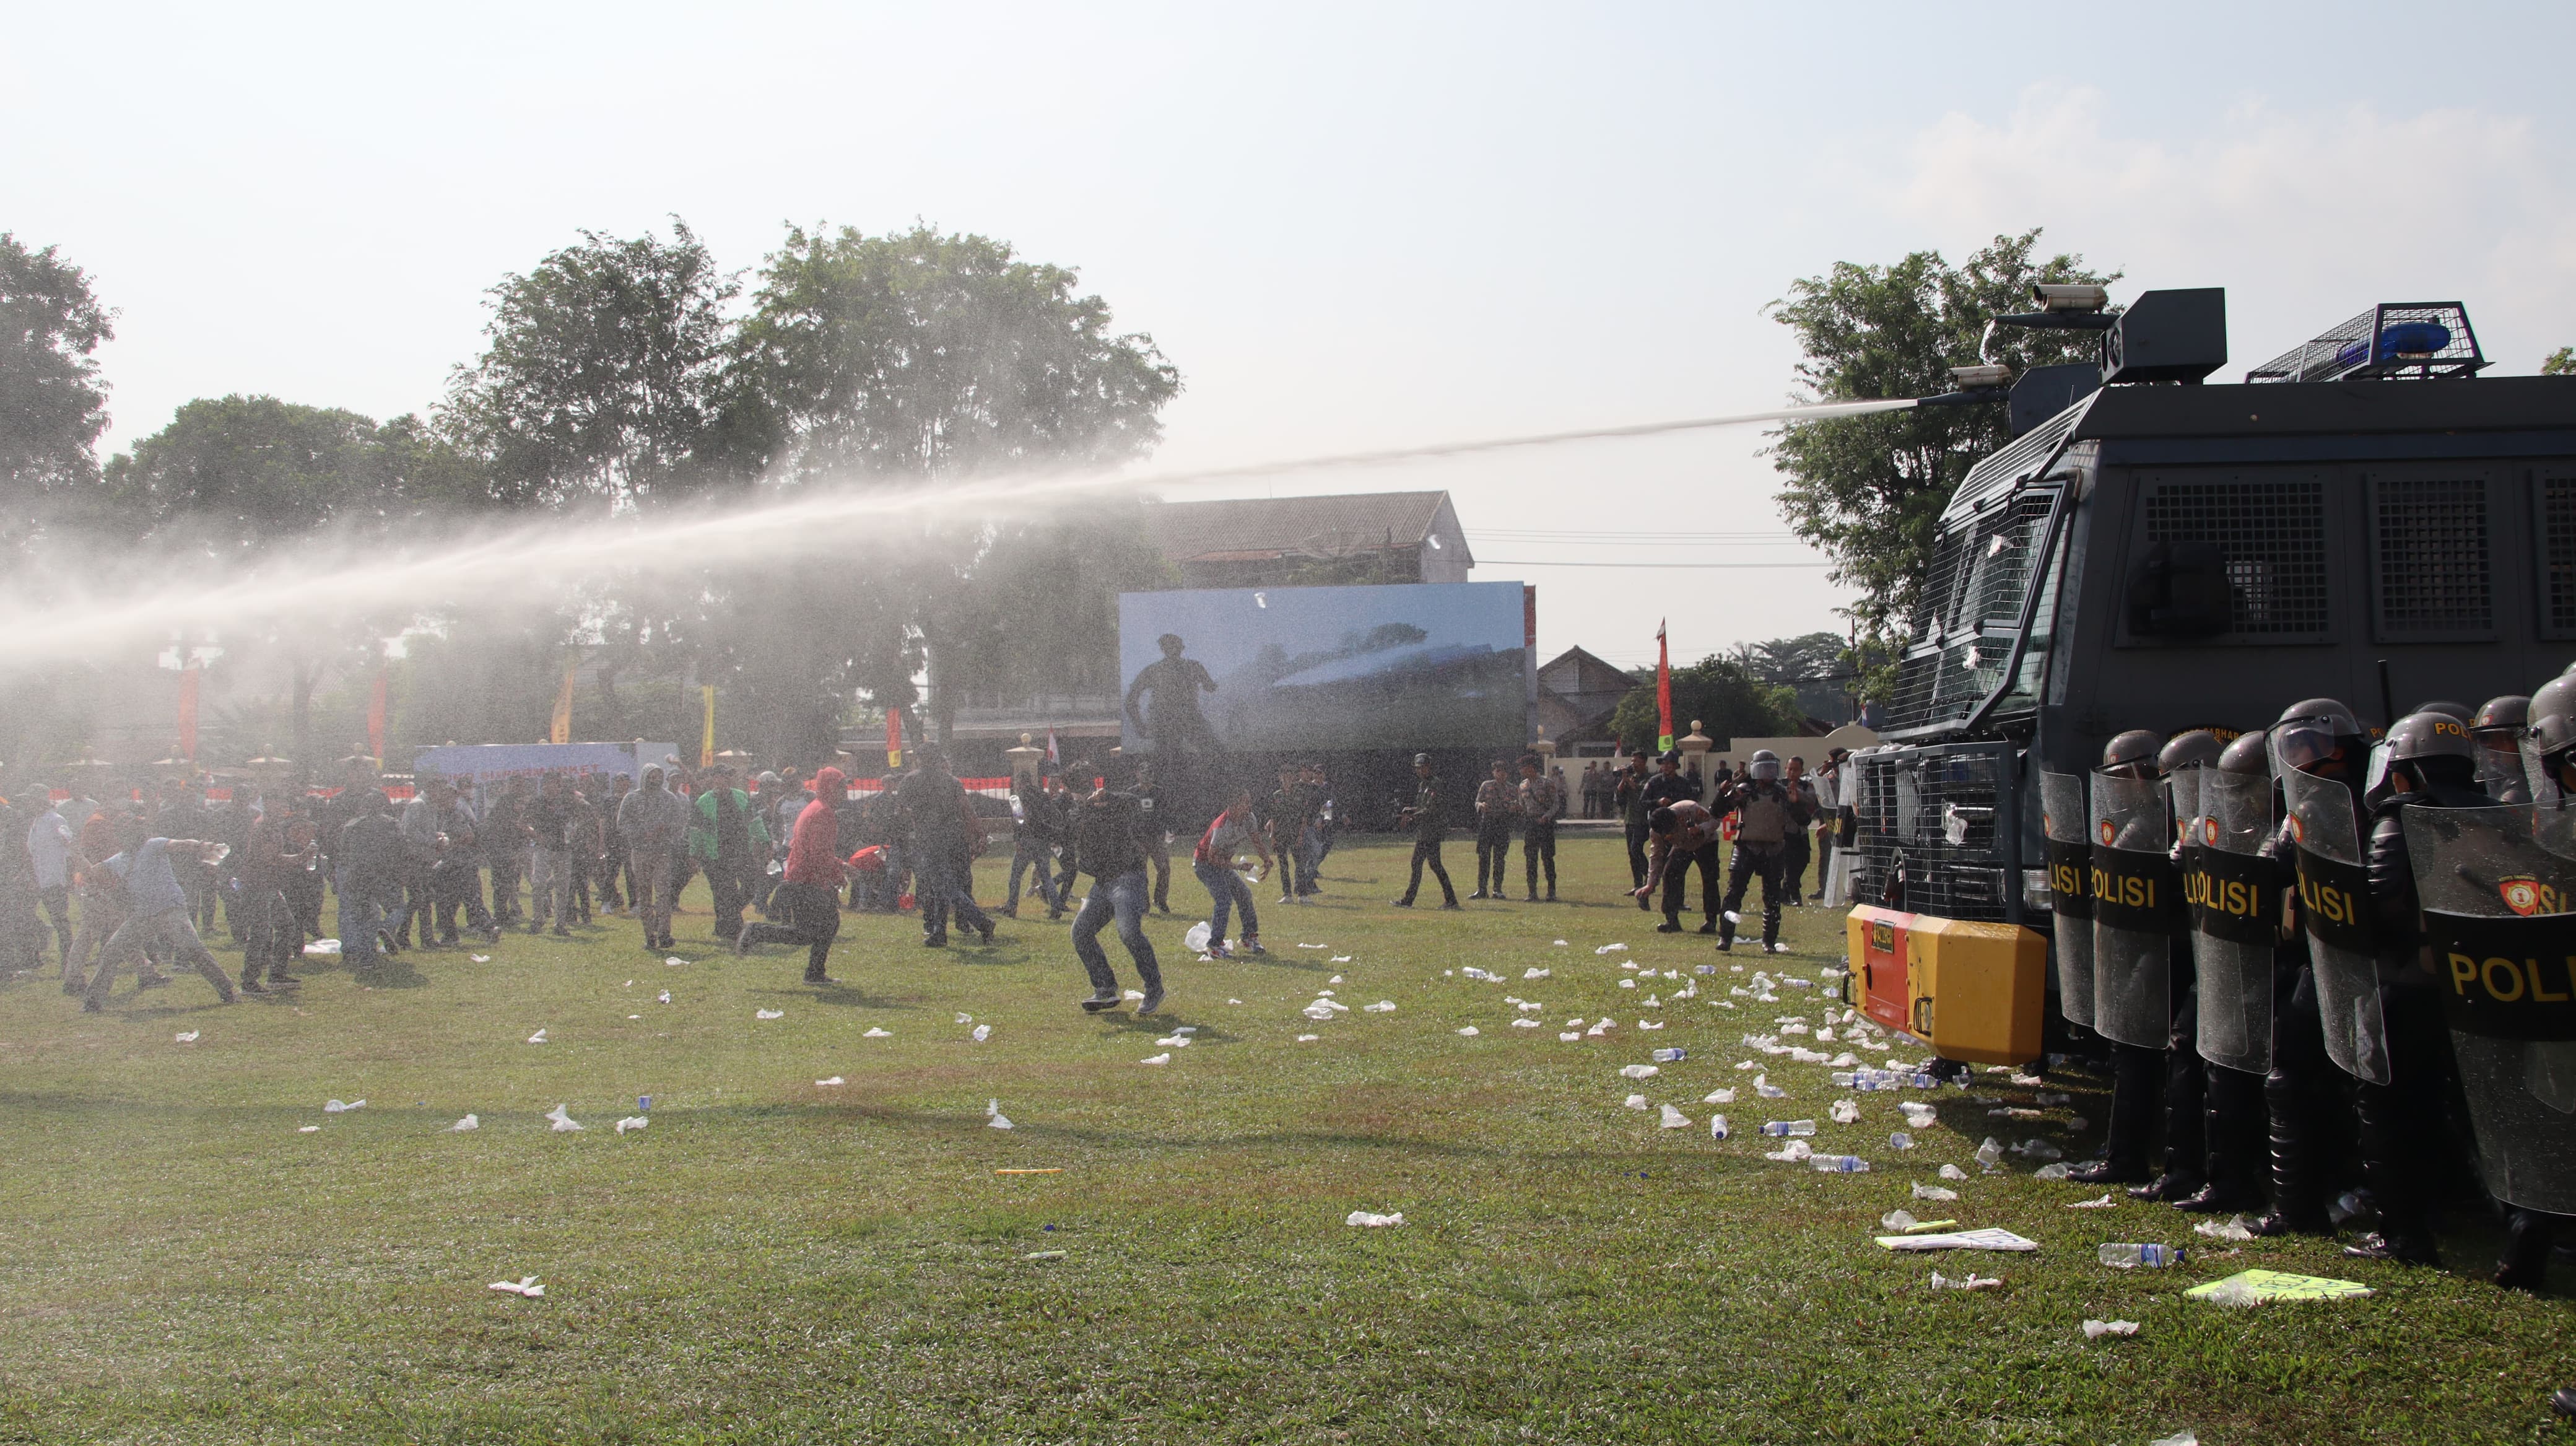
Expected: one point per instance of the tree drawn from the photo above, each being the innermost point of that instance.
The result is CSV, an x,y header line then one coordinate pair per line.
x,y
52,404
2560,363
1721,693
1815,666
600,383
1869,490
917,354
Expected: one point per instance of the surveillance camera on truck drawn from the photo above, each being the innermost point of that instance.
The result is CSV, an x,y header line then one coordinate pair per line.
x,y
2363,517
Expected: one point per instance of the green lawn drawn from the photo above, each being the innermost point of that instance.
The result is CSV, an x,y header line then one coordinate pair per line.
x,y
774,1260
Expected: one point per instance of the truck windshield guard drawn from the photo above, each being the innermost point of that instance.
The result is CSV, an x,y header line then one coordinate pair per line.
x,y
1991,595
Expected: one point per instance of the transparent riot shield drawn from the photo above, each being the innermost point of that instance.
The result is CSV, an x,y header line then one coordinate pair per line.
x,y
2066,820
2236,900
2500,773
2342,946
2497,886
2541,787
2134,911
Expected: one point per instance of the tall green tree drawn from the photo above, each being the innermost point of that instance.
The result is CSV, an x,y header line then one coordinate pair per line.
x,y
1869,490
920,353
2559,363
1721,693
599,383
52,404
1817,667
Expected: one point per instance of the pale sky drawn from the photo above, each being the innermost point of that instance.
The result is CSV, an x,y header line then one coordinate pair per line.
x,y
1350,226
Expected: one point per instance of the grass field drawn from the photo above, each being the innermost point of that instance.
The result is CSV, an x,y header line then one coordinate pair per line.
x,y
778,1261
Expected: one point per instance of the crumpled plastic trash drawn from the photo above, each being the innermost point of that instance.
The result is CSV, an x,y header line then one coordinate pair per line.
x,y
1990,1154
1139,993
876,1033
665,997
1718,1097
632,1122
1900,1141
307,1129
1341,959
1674,1119
1792,1152
1845,1112
993,1116
674,960
537,1038
563,1123
1308,1038
1974,1281
1610,949
1627,983
1198,937
2058,1171
1044,1255
1570,1037
1898,1222
1372,1220
1383,1006
2252,1287
480,958
1472,1031
1163,1058
1650,1024
1651,1002
2180,1438
1600,1028
190,1037
1174,1041
1336,979
965,1018
2233,1291
2094,1330
1934,1192
828,1083
1640,1071
1561,944
2038,1150
322,949
2233,1229
334,1107
2100,1202
1953,1172
1987,1239
1534,973
1528,1024
464,1125
1234,1001
524,1286
1744,1064
769,1014
981,1033
1635,1102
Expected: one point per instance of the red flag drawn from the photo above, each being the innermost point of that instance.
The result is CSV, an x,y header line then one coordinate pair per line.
x,y
188,711
1663,691
894,738
376,718
1052,755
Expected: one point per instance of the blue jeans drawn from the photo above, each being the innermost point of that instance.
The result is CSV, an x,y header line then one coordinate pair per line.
x,y
1048,889
1124,898
1310,857
362,914
943,881
1230,892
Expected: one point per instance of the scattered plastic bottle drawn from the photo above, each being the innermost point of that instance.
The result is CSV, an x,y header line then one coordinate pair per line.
x,y
1718,1129
643,1103
1845,1079
1900,1141
1840,1164
1789,1127
1669,1055
2134,1257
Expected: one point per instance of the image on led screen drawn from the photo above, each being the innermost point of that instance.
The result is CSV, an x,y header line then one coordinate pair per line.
x,y
1243,670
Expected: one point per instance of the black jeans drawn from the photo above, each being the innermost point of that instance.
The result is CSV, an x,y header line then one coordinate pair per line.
x,y
1793,864
1753,861
1427,851
1538,846
729,885
813,920
1637,866
1677,881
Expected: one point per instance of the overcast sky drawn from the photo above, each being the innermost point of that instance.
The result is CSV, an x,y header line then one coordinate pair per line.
x,y
1349,226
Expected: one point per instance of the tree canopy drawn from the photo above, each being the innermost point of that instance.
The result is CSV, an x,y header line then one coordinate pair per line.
x,y
1724,695
2559,363
1869,490
52,404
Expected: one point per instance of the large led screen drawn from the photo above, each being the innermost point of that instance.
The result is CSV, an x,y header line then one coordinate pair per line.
x,y
1247,670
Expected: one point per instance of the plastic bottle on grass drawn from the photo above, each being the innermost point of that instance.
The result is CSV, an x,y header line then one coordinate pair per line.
x,y
2136,1257
1668,1055
1789,1127
1840,1164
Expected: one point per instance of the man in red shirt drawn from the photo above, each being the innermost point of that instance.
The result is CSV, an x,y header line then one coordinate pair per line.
x,y
809,894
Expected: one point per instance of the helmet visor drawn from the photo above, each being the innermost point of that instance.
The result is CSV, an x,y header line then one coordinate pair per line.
x,y
2298,744
1764,770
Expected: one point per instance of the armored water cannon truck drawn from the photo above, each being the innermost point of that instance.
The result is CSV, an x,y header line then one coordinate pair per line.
x,y
2362,517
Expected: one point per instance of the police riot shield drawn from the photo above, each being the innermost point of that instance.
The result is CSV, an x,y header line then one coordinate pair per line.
x,y
2539,784
2342,945
2500,773
2066,820
2235,896
2134,911
2498,886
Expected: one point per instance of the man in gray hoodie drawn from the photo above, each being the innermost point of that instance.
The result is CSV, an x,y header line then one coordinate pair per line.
x,y
653,820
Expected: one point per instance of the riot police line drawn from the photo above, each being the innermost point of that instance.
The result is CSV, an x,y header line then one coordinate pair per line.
x,y
2327,960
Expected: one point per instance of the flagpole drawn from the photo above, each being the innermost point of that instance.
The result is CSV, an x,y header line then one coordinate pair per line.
x,y
1663,691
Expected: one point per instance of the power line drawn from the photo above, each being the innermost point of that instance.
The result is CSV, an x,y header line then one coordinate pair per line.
x,y
1534,562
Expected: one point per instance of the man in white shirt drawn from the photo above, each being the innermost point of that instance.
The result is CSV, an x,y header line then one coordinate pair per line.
x,y
51,846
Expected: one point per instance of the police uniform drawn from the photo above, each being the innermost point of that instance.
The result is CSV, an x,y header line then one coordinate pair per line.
x,y
1423,816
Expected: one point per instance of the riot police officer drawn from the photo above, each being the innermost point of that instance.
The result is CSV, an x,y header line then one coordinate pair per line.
x,y
1766,813
2432,762
2213,1105
2498,728
2133,901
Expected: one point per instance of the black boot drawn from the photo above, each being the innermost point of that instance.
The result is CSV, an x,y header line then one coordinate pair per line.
x,y
2233,1125
2528,1234
2298,1189
2134,1074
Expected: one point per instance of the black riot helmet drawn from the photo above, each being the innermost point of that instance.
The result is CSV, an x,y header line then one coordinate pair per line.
x,y
2552,731
2433,747
2249,754
2311,730
2500,721
2445,706
2198,748
1763,766
2132,754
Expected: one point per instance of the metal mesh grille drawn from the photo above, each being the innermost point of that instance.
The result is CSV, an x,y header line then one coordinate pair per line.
x,y
2558,553
2369,346
2431,538
1966,621
1928,830
2273,538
